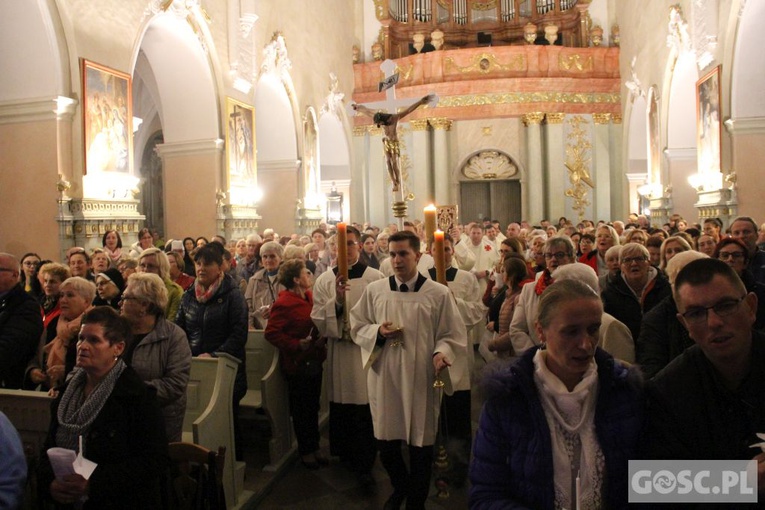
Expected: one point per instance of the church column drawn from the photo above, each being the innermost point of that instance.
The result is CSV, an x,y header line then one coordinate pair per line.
x,y
359,188
601,165
534,198
441,167
556,171
422,168
192,173
380,194
619,186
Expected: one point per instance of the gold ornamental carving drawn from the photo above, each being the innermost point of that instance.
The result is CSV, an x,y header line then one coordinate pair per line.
x,y
555,118
419,124
484,6
575,62
375,131
405,74
616,118
532,119
486,130
440,123
530,97
578,160
601,118
485,63
359,130
380,9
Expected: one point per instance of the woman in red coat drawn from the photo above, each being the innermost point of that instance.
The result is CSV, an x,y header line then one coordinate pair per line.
x,y
301,354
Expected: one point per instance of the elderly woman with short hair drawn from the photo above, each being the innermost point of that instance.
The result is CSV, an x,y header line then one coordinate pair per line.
x,y
159,351
154,260
76,297
79,263
106,406
635,289
605,237
301,354
264,287
175,260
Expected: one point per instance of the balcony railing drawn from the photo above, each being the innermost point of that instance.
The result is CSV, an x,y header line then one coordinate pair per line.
x,y
462,20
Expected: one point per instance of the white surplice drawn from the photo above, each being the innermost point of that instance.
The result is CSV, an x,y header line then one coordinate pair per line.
x,y
467,295
347,379
400,378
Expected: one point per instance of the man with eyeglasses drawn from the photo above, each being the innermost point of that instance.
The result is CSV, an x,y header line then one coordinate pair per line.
x,y
351,434
558,251
20,324
745,229
709,403
635,289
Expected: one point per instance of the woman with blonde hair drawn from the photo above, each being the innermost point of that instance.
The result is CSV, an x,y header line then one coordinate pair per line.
x,y
159,351
671,247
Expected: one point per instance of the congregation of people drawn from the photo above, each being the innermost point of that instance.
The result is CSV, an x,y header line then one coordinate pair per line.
x,y
589,344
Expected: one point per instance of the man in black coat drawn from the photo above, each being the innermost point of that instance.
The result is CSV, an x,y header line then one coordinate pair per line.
x,y
709,402
20,324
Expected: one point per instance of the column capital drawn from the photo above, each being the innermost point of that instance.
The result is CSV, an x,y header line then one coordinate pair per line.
x,y
601,118
440,123
533,118
359,130
555,118
419,124
375,131
616,118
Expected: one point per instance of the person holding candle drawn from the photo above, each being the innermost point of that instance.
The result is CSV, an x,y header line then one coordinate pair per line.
x,y
564,411
455,409
409,329
351,436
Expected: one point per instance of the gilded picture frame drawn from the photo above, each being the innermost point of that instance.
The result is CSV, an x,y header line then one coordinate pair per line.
x,y
107,119
240,144
709,122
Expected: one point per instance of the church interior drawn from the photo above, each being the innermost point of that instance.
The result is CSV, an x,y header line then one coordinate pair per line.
x,y
228,117
240,116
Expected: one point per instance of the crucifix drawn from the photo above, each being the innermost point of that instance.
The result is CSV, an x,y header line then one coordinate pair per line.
x,y
387,114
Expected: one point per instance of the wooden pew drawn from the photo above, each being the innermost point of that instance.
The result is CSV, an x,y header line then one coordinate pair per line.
x,y
209,419
29,412
267,393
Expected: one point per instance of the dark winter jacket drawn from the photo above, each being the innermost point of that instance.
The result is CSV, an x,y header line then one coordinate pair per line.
x,y
512,456
662,338
127,441
621,302
21,326
218,325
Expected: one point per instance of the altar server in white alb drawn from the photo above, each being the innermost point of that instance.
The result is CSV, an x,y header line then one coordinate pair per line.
x,y
351,436
456,419
409,329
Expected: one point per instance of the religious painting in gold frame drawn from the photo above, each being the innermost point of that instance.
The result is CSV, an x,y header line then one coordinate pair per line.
x,y
709,122
240,144
107,118
446,217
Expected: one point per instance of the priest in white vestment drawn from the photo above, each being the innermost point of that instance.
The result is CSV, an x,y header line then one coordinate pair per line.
x,y
409,329
351,435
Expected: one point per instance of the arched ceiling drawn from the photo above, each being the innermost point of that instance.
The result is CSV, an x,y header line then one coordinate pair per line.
x,y
748,79
31,61
180,81
275,137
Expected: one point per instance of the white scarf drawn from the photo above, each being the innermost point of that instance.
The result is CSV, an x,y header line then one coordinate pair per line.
x,y
571,419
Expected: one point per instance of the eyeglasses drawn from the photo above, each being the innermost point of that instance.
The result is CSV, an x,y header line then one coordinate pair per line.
x,y
699,315
30,263
630,260
560,255
128,297
735,255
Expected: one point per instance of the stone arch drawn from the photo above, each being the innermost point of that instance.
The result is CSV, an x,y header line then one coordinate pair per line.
x,y
334,149
310,175
748,73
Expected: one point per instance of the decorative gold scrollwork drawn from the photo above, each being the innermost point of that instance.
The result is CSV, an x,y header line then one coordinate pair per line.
x,y
485,63
571,62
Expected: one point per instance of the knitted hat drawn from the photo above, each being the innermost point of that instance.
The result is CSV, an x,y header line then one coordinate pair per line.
x,y
113,275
